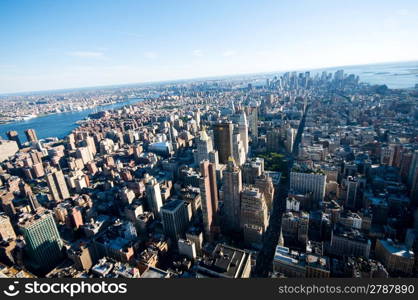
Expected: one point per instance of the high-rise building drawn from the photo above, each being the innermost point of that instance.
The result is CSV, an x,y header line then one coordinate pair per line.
x,y
209,196
6,228
351,197
395,257
252,169
243,131
273,138
42,239
238,149
254,215
174,218
204,146
295,226
14,136
31,135
252,113
153,191
85,154
309,183
231,190
223,140
57,186
265,185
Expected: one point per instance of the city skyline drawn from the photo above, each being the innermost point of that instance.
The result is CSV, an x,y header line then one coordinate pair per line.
x,y
59,45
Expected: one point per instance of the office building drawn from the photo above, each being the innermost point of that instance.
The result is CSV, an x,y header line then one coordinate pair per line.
x,y
309,183
204,146
174,218
209,196
396,258
223,140
31,135
57,186
231,190
254,215
153,193
42,239
243,131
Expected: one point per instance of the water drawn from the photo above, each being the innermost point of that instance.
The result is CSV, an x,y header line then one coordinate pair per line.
x,y
395,75
56,125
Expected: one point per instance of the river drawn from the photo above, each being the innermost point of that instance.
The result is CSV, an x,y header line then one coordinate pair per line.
x,y
56,125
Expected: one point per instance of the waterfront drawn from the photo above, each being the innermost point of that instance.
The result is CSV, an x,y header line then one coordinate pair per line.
x,y
399,75
56,125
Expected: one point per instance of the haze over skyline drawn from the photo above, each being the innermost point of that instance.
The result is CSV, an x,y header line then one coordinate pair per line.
x,y
55,44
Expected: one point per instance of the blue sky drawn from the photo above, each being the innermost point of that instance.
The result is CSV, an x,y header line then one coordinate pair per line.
x,y
64,44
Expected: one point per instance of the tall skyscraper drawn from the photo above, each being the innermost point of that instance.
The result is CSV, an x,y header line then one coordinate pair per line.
x,y
223,140
351,197
252,113
153,191
204,146
42,239
238,149
6,228
209,196
174,218
231,189
243,131
14,136
31,135
57,186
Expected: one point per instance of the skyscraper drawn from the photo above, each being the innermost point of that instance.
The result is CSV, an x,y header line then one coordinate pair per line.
x,y
209,196
351,197
174,218
252,113
153,191
31,135
42,238
243,130
57,186
238,149
14,136
265,185
254,215
231,189
223,140
204,146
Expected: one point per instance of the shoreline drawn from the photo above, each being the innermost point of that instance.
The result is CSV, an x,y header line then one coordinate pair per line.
x,y
63,112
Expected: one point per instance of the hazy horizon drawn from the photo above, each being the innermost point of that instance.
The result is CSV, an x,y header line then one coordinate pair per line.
x,y
214,77
50,45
